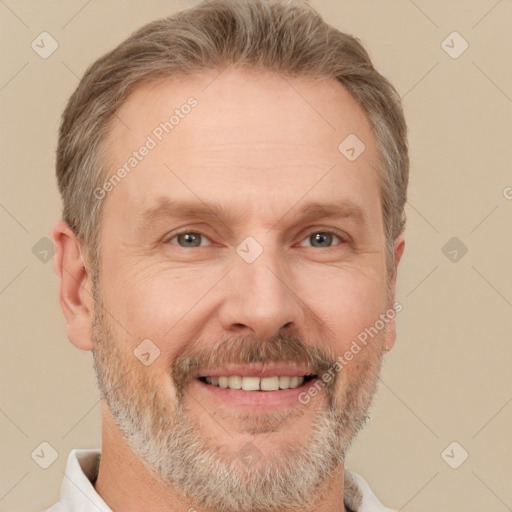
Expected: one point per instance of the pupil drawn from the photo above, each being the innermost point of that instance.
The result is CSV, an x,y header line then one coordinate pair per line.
x,y
191,238
321,237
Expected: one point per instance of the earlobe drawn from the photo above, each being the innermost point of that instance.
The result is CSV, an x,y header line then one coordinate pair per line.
x,y
75,295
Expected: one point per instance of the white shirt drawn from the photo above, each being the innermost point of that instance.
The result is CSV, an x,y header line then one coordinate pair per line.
x,y
77,493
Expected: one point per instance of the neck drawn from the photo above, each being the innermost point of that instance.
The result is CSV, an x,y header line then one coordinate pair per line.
x,y
126,484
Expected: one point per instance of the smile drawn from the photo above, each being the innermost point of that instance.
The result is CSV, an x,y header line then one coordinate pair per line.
x,y
249,383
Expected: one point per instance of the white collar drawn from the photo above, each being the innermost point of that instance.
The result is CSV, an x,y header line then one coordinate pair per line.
x,y
78,493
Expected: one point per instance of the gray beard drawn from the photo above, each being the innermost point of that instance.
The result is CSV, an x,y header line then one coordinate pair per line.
x,y
214,477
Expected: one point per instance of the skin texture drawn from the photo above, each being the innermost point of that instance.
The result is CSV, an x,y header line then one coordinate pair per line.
x,y
254,145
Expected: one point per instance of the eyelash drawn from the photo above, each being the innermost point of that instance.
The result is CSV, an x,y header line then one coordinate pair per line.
x,y
189,231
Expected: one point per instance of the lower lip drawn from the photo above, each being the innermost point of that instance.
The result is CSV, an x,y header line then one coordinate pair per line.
x,y
260,399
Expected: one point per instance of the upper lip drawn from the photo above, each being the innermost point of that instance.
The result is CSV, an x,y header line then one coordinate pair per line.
x,y
257,370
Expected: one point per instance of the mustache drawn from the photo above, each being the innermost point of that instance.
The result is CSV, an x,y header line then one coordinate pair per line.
x,y
287,348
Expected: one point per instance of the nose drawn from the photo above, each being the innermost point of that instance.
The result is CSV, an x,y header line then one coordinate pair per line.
x,y
260,297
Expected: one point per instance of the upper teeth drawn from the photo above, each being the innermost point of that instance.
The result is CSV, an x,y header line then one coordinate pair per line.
x,y
255,383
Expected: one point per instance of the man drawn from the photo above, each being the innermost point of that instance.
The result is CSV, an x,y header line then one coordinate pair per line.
x,y
234,180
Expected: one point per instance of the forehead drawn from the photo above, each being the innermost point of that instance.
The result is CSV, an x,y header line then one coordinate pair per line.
x,y
239,136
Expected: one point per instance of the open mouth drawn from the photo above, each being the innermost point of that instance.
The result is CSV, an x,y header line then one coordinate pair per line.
x,y
253,383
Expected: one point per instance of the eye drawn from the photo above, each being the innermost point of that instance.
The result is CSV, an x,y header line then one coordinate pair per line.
x,y
322,239
187,239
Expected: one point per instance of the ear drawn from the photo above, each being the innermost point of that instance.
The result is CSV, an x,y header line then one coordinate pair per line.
x,y
399,246
75,292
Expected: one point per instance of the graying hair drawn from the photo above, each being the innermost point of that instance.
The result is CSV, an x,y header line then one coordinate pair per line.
x,y
285,36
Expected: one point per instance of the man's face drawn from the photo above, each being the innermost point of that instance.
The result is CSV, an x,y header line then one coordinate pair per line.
x,y
260,291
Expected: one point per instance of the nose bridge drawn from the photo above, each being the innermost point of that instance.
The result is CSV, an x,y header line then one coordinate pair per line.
x,y
260,293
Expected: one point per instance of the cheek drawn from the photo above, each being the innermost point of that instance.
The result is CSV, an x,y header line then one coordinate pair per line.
x,y
348,303
155,304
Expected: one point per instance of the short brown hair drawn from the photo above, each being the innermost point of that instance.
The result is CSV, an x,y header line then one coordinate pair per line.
x,y
286,36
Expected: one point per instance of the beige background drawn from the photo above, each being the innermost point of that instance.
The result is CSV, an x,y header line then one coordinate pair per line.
x,y
448,377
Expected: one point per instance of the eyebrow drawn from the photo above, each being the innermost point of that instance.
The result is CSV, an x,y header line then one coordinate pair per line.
x,y
166,208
